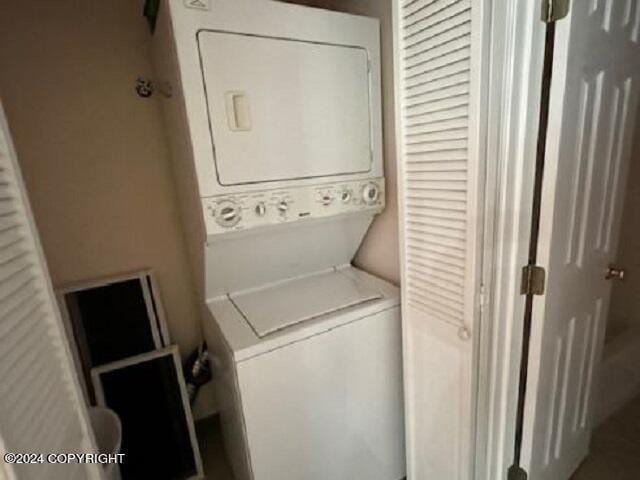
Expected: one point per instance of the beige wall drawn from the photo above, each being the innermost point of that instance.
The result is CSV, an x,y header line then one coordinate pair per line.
x,y
625,302
379,252
92,152
94,156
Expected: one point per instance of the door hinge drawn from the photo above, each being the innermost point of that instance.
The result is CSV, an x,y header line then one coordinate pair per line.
x,y
533,280
554,10
516,472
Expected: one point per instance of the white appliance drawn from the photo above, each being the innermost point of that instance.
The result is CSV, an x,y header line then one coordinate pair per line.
x,y
274,116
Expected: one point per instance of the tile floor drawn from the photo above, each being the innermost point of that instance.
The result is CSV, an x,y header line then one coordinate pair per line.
x,y
215,462
615,448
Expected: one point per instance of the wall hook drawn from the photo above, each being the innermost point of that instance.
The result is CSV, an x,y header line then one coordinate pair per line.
x,y
144,87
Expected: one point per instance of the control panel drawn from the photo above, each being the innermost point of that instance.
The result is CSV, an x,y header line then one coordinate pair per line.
x,y
229,213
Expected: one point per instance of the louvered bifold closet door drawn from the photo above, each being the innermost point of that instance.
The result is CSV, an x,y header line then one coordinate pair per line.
x,y
41,409
437,106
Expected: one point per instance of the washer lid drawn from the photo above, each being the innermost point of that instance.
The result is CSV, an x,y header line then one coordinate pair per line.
x,y
281,305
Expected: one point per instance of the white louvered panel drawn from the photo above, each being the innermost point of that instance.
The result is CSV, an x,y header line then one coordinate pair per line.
x,y
41,408
435,73
437,91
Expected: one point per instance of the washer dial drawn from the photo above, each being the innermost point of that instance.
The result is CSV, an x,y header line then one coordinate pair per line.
x,y
228,213
283,207
327,199
260,209
370,193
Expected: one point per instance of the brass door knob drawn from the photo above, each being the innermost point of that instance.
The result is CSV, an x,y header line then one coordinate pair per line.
x,y
614,272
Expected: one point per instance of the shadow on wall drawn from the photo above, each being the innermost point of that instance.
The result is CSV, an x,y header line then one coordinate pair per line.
x,y
92,152
379,252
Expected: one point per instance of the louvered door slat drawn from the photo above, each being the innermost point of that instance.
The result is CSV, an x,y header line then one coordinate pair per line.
x,y
14,293
417,245
434,86
436,17
434,255
453,32
15,369
437,30
11,251
439,66
56,413
422,10
41,405
36,415
10,232
428,119
436,175
438,105
14,266
17,317
434,145
438,220
438,127
442,49
445,269
6,207
449,91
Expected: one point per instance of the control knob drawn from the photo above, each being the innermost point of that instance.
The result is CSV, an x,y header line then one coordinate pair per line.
x,y
260,209
370,193
283,207
228,214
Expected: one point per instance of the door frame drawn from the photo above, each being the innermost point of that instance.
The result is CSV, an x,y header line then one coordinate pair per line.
x,y
517,57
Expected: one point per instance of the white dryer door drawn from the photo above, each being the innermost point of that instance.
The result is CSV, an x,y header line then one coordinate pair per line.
x,y
282,109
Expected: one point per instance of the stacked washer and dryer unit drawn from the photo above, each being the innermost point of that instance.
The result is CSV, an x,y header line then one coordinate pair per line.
x,y
274,116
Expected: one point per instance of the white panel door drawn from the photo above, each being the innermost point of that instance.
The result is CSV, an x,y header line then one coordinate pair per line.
x,y
594,102
284,109
438,46
42,409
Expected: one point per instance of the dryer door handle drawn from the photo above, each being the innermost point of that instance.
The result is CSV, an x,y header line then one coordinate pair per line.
x,y
238,112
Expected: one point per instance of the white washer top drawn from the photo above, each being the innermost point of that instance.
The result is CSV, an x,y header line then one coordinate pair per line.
x,y
260,320
281,305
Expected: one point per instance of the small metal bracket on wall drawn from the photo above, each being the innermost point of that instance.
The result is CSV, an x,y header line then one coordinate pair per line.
x,y
145,87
